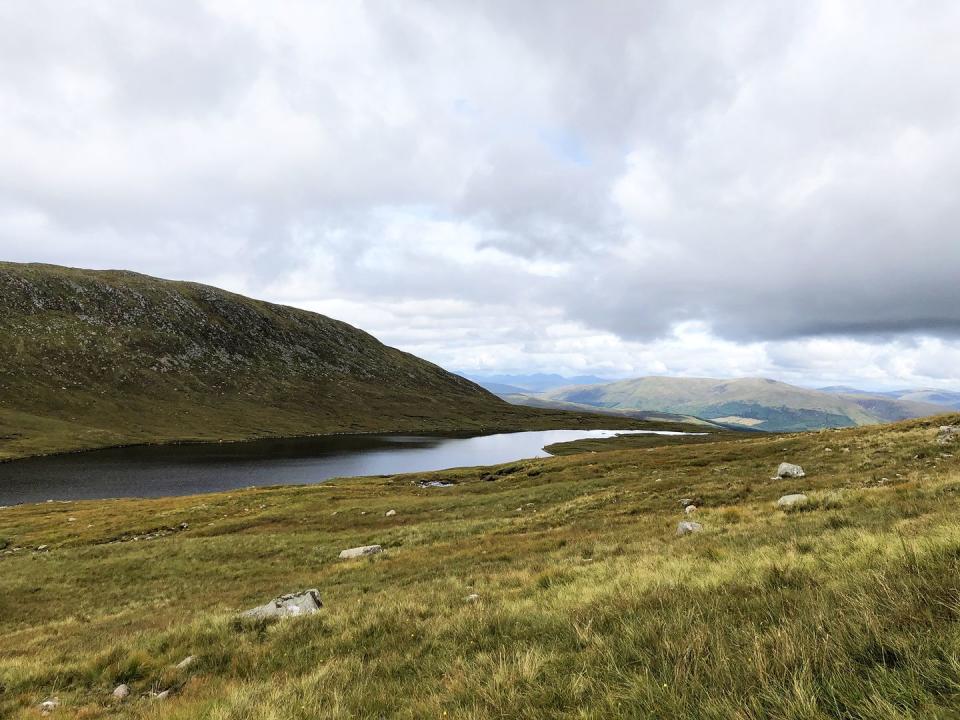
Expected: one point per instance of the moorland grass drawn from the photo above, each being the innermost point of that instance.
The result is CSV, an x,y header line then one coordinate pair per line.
x,y
589,605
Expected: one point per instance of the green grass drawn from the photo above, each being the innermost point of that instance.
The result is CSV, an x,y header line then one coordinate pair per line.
x,y
590,606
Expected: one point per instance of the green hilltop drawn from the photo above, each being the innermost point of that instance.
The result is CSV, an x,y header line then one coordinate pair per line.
x,y
99,358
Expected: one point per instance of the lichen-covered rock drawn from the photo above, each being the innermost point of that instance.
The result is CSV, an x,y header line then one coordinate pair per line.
x,y
689,509
688,528
789,470
301,603
361,551
121,692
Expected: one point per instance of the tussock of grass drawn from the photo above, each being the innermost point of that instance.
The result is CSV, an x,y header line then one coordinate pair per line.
x,y
589,605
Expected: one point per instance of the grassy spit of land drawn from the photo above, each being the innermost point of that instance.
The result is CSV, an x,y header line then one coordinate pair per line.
x,y
589,605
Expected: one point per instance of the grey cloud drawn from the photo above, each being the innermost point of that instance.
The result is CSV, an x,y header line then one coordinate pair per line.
x,y
775,172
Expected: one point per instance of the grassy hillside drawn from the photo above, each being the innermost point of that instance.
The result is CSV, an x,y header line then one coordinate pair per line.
x,y
587,603
537,401
750,402
97,358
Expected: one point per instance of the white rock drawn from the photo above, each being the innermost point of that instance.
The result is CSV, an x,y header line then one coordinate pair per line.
x,y
789,470
301,603
50,704
361,551
162,695
390,513
687,528
689,509
472,598
186,662
948,434
794,500
121,692
43,548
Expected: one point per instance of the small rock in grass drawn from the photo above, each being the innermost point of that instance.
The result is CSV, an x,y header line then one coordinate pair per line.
x,y
795,500
301,603
688,528
186,662
121,692
161,695
689,509
390,513
789,470
472,598
50,705
184,526
361,551
43,548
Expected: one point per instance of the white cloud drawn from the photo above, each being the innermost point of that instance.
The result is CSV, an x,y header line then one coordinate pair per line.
x,y
718,189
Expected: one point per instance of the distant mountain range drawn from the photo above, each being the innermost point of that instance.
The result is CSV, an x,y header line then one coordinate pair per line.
x,y
755,403
946,398
536,382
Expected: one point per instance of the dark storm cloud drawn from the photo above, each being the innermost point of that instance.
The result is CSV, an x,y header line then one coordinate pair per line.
x,y
769,172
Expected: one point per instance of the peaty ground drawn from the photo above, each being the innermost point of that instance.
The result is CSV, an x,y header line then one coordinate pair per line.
x,y
588,604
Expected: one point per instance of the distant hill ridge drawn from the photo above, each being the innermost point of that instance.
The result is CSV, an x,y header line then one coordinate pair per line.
x,y
758,403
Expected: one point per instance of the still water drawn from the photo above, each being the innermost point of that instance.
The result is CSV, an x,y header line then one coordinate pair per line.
x,y
157,471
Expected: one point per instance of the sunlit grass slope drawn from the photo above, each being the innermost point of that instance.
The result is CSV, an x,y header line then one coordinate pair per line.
x,y
589,605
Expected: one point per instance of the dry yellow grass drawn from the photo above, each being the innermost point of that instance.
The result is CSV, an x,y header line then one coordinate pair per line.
x,y
589,605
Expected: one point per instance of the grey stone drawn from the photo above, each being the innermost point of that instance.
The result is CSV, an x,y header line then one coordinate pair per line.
x,y
121,692
161,695
50,704
792,501
472,598
789,470
948,434
43,548
390,513
688,528
689,509
361,551
301,603
186,662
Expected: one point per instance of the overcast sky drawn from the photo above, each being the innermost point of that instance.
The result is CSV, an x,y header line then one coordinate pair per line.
x,y
623,188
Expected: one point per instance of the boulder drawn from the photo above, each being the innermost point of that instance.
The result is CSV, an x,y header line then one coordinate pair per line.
x,y
121,692
361,551
948,434
301,603
689,509
688,528
789,470
795,500
390,513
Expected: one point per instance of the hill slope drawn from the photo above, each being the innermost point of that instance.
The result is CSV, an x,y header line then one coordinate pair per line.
x,y
751,402
95,358
559,589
